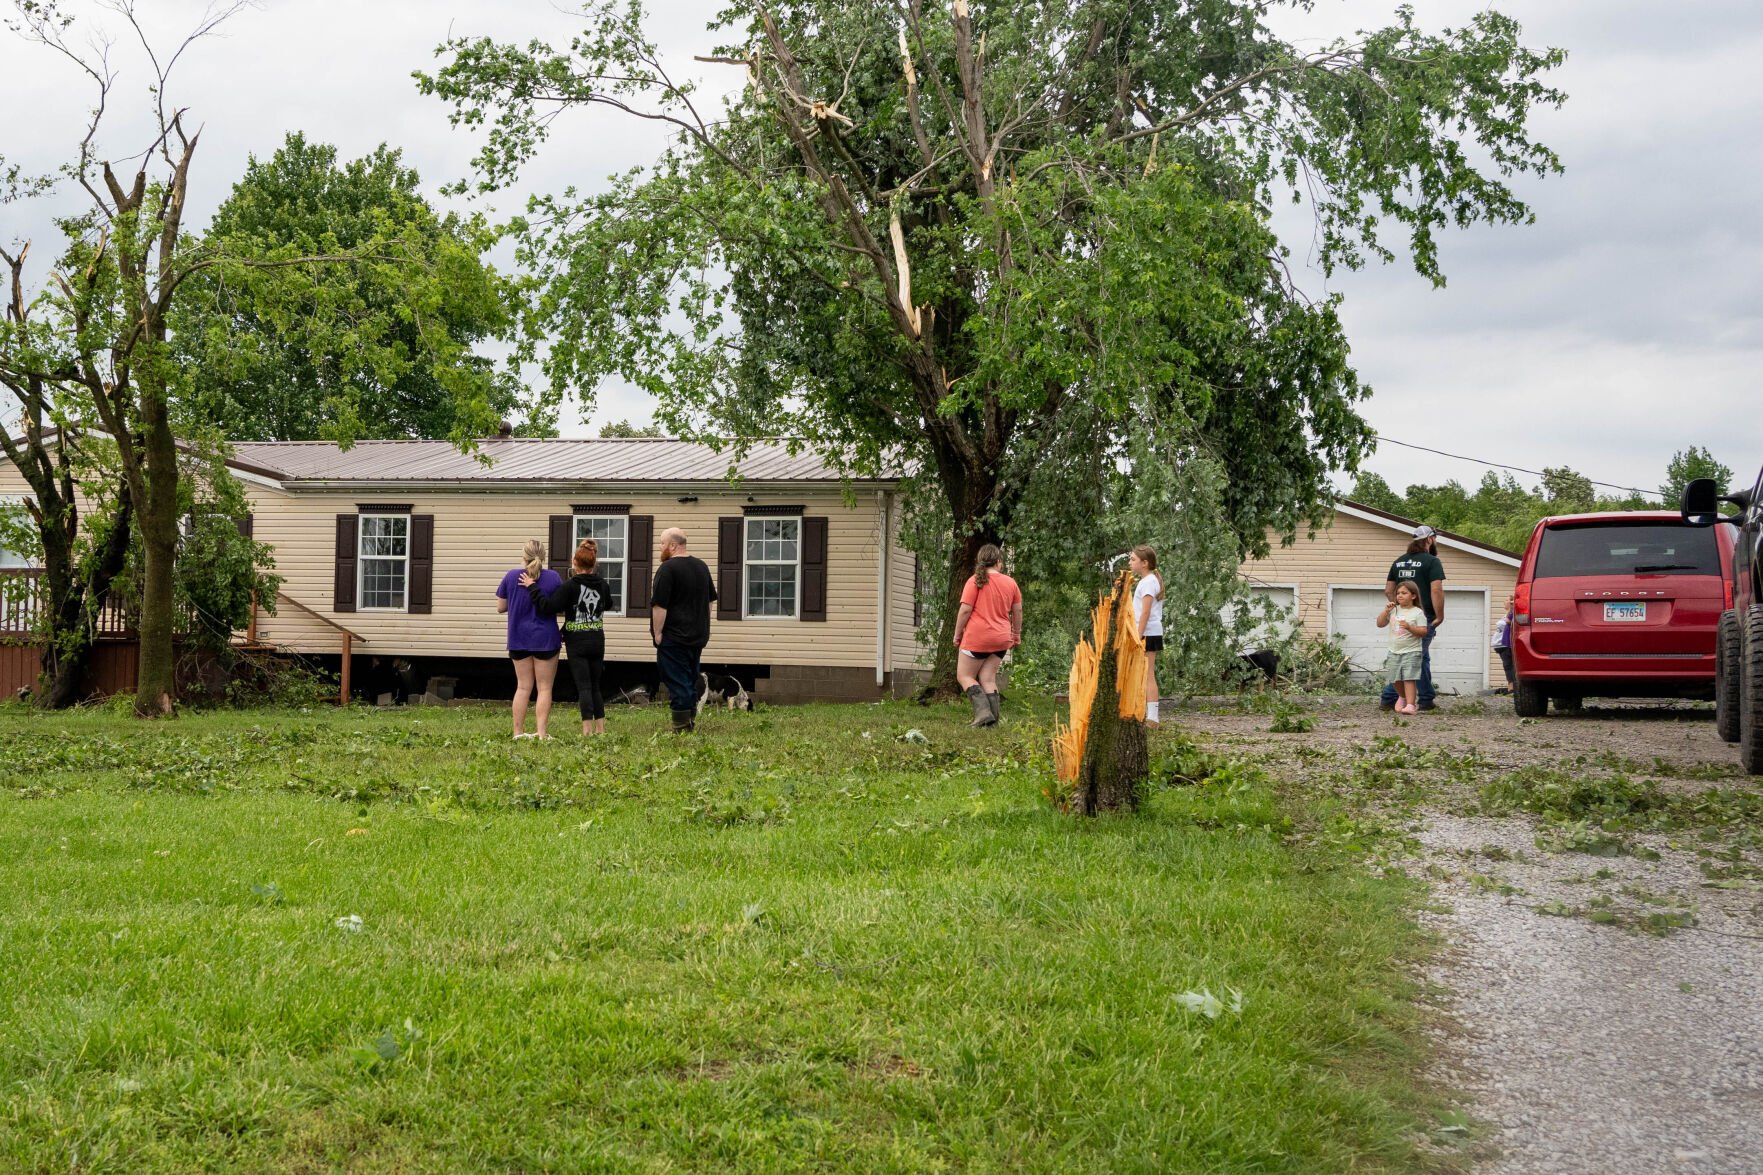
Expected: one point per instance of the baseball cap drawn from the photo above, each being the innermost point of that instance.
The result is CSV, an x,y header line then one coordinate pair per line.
x,y
1425,532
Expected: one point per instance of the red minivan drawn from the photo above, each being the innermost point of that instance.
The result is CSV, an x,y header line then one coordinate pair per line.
x,y
1618,605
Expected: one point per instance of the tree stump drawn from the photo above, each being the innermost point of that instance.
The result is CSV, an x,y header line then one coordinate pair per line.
x,y
1114,761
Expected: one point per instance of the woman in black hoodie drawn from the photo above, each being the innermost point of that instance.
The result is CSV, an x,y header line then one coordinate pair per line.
x,y
580,600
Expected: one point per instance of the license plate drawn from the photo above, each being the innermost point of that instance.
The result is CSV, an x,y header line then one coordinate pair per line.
x,y
1625,612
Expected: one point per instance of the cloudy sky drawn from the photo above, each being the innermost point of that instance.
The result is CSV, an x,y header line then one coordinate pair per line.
x,y
1623,325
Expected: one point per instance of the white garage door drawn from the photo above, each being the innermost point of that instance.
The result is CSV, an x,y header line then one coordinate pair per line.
x,y
1459,653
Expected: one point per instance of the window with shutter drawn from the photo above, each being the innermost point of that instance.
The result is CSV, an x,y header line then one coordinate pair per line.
x,y
611,535
384,578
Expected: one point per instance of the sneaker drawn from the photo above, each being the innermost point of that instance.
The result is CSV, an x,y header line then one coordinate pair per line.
x,y
1386,707
1403,708
1426,709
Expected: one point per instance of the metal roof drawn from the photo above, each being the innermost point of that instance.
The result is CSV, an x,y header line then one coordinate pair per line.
x,y
518,459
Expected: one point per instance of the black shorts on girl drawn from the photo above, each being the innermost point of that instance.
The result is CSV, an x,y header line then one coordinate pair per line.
x,y
523,654
1153,644
982,654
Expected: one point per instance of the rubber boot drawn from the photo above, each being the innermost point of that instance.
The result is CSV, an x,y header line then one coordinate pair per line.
x,y
996,703
982,709
682,721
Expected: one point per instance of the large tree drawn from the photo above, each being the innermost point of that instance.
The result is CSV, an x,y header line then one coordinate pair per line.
x,y
380,348
1685,466
992,237
78,517
98,335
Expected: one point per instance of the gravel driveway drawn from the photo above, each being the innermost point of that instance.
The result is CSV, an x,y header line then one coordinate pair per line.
x,y
1605,1008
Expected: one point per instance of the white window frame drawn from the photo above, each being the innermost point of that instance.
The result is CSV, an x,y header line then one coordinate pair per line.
x,y
747,566
25,560
361,558
624,561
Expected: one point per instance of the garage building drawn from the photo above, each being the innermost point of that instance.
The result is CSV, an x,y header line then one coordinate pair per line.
x,y
1334,584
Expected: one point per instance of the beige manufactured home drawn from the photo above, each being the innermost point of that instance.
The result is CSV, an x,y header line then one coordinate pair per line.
x,y
398,546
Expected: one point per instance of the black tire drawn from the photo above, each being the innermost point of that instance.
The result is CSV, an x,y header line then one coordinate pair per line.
x,y
1529,700
1751,692
1728,672
1571,704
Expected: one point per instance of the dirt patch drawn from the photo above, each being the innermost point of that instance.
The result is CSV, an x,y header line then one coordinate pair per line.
x,y
1598,878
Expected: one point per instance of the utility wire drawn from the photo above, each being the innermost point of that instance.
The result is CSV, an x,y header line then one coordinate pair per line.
x,y
1514,468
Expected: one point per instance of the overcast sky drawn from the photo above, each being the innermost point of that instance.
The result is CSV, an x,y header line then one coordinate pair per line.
x,y
1623,325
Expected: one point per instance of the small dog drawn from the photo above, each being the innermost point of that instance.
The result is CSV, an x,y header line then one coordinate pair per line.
x,y
724,690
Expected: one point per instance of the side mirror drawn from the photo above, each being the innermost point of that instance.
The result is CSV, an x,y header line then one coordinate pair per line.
x,y
1701,502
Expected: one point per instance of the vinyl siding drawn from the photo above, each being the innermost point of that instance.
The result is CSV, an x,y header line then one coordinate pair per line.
x,y
478,537
904,648
1356,553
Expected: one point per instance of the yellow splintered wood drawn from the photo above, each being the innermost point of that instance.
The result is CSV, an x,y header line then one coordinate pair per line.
x,y
1113,620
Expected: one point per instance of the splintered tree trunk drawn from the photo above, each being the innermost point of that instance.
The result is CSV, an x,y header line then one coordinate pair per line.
x,y
1116,760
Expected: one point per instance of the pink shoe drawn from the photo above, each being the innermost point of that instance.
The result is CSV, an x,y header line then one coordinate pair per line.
x,y
1406,708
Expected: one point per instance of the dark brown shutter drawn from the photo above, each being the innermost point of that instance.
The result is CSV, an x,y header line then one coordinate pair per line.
x,y
245,524
562,542
420,597
814,569
343,589
639,564
729,539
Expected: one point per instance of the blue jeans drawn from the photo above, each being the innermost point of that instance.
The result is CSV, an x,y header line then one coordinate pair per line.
x,y
1424,697
679,673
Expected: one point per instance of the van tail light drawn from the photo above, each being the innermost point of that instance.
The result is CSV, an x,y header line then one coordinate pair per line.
x,y
1727,584
1521,604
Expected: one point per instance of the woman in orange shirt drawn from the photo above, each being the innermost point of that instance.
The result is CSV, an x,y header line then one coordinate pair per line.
x,y
988,626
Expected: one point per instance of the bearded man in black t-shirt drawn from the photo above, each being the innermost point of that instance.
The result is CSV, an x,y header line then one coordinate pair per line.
x,y
1420,566
679,623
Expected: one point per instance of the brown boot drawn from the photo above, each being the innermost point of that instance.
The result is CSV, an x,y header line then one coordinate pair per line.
x,y
982,709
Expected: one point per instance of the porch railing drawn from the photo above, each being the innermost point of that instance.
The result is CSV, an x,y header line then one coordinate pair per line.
x,y
23,598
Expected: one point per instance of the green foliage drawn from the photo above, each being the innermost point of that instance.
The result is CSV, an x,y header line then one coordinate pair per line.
x,y
994,244
1499,511
400,938
374,341
624,429
1584,811
1686,466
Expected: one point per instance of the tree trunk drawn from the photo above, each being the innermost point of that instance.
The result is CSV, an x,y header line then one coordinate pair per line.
x,y
76,606
1116,759
155,685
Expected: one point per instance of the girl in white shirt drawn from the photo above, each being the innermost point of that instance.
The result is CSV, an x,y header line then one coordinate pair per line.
x,y
1407,625
1147,600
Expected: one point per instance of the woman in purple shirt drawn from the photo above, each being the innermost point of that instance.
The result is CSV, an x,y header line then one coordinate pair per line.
x,y
533,640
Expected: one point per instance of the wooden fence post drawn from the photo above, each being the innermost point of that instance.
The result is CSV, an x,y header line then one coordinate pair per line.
x,y
348,656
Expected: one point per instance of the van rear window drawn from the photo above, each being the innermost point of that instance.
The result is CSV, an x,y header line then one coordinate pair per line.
x,y
1626,548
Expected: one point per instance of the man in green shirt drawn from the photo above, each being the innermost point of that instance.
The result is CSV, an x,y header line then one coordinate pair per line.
x,y
1420,566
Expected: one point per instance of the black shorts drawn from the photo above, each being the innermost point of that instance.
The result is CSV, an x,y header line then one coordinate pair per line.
x,y
982,654
1153,644
523,654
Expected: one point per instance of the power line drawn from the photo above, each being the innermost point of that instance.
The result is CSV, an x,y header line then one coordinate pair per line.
x,y
1515,468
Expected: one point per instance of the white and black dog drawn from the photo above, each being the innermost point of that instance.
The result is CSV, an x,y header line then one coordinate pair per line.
x,y
721,689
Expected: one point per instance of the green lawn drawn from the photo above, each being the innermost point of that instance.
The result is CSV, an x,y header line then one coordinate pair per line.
x,y
794,941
